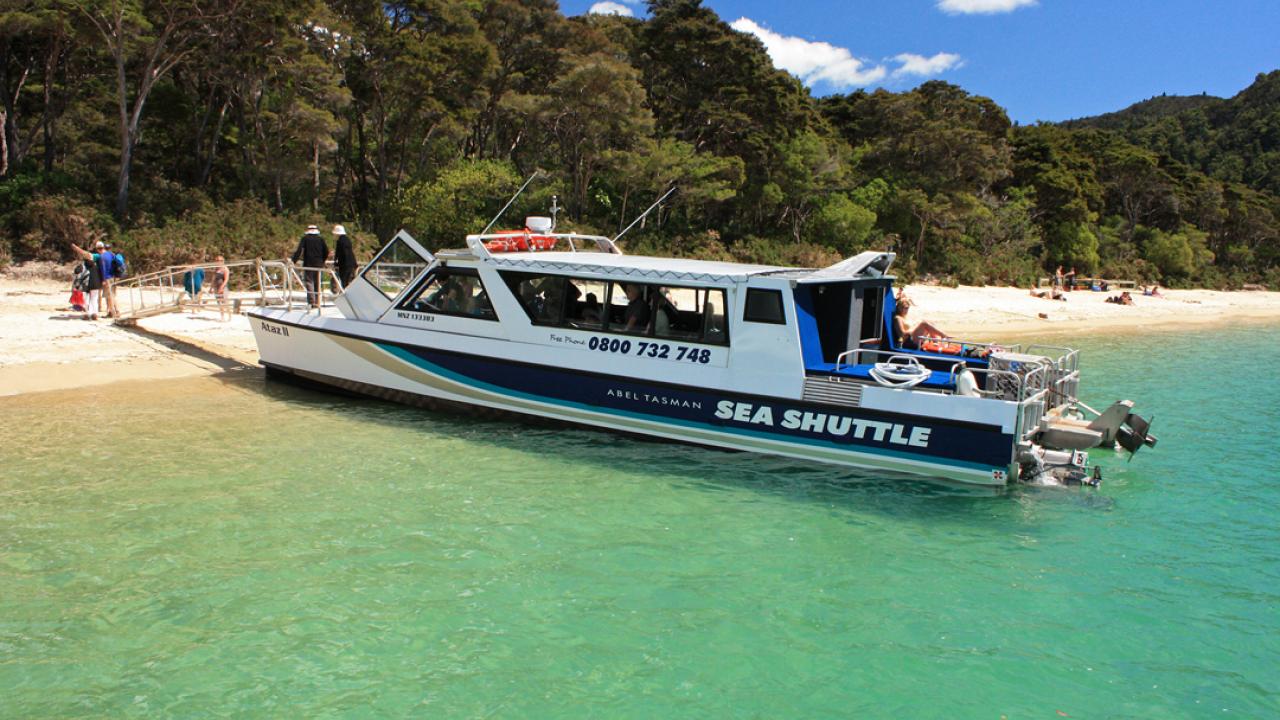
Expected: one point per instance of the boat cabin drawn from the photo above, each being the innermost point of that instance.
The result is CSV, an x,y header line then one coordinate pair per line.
x,y
774,324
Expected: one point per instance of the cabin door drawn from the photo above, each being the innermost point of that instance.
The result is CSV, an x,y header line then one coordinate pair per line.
x,y
385,278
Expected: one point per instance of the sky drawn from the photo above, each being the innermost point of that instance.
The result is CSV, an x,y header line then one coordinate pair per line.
x,y
1039,59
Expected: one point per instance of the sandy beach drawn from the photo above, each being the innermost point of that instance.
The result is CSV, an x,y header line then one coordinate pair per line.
x,y
1004,312
46,346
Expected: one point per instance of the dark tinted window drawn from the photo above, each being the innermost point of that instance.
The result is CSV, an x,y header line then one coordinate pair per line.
x,y
672,312
542,296
452,292
764,306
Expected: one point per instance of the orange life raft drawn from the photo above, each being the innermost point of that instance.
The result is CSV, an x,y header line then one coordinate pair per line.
x,y
519,241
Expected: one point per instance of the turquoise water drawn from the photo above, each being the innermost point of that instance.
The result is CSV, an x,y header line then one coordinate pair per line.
x,y
231,547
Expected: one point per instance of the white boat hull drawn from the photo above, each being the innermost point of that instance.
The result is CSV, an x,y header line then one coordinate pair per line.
x,y
327,351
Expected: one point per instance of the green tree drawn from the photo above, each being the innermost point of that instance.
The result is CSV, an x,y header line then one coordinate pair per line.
x,y
147,40
597,105
414,70
458,202
704,180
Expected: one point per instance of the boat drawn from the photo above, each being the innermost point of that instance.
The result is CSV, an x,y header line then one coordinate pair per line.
x,y
795,362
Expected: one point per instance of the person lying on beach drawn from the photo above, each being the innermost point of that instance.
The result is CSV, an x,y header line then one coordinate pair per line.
x,y
1053,294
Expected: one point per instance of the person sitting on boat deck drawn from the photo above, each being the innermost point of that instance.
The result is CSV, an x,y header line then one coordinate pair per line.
x,y
637,313
591,308
453,297
903,333
529,298
668,316
480,305
554,294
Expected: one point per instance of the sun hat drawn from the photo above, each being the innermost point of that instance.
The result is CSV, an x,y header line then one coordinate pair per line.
x,y
313,230
100,244
339,230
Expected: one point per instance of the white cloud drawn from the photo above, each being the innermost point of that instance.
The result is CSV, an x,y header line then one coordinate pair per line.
x,y
610,8
981,7
919,65
813,62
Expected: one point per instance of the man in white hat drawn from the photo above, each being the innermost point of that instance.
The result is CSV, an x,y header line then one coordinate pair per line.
x,y
344,256
314,253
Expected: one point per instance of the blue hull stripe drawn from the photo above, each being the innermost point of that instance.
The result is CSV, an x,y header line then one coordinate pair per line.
x,y
416,360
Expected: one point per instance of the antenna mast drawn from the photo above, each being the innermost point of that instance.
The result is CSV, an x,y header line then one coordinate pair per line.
x,y
535,174
646,212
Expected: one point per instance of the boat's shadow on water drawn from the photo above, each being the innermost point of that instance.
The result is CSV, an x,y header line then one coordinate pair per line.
x,y
697,468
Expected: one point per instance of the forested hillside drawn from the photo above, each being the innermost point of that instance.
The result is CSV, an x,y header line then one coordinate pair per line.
x,y
180,128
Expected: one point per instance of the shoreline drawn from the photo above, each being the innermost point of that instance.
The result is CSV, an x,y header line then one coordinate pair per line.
x,y
46,347
1000,313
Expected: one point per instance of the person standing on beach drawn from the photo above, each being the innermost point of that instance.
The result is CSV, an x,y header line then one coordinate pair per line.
x,y
314,253
344,256
221,276
106,268
1057,277
95,281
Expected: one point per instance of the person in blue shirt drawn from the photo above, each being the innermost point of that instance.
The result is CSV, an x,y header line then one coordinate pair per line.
x,y
106,268
193,283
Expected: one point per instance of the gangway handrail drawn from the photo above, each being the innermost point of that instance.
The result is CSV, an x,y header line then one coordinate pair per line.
x,y
275,282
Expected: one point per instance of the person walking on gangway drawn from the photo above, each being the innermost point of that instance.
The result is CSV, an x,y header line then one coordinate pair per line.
x,y
344,256
314,253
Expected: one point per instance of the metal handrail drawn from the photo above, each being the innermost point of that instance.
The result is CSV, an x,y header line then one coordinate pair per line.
x,y
275,282
1024,382
857,352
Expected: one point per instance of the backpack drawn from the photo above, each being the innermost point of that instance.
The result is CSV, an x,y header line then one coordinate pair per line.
x,y
80,280
118,268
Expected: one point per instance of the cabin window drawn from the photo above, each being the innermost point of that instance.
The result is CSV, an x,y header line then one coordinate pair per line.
x,y
394,268
585,308
764,306
663,311
630,308
714,312
453,291
541,296
678,312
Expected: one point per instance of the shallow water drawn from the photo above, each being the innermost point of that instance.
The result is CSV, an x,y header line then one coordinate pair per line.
x,y
233,547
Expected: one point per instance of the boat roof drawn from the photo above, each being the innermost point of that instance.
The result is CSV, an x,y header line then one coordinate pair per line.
x,y
639,267
867,265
